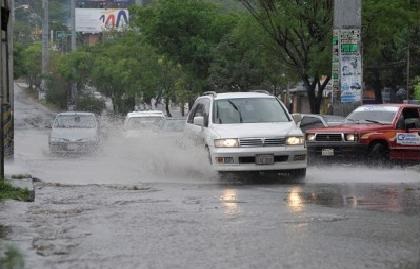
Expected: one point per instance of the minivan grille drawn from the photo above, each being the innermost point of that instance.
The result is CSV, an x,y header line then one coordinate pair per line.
x,y
262,142
329,137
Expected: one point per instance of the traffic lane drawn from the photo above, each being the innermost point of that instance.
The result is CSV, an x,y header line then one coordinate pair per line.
x,y
156,160
220,226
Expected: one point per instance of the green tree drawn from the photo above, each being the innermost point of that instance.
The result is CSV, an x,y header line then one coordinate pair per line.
x,y
386,42
18,60
57,86
185,32
31,65
302,32
243,60
417,89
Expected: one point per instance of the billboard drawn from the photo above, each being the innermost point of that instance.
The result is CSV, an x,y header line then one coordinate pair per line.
x,y
97,20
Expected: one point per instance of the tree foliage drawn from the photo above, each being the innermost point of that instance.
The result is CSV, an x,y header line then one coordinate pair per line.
x,y
302,31
243,60
185,32
29,64
386,41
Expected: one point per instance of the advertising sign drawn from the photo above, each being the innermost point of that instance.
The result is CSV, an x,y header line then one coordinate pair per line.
x,y
350,66
408,139
97,20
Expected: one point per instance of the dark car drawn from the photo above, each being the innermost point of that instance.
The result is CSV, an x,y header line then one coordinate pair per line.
x,y
308,121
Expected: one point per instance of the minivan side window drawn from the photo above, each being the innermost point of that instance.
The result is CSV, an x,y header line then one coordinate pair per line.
x,y
192,113
201,109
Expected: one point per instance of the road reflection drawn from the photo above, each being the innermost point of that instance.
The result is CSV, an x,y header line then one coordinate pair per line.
x,y
295,200
389,198
230,202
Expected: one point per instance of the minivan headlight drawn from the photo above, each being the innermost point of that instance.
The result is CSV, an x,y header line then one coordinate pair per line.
x,y
226,143
295,140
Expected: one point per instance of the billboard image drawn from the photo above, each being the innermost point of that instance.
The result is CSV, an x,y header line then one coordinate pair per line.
x,y
97,20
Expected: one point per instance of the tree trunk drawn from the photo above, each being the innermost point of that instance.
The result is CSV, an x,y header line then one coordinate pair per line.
x,y
377,85
168,113
182,109
314,95
310,89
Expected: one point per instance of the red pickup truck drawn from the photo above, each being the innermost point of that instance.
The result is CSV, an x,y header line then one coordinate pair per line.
x,y
378,132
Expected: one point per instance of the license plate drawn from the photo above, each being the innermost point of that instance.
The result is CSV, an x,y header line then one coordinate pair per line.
x,y
327,152
72,147
264,159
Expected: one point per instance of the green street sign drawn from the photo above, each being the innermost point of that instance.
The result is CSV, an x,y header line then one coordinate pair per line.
x,y
349,48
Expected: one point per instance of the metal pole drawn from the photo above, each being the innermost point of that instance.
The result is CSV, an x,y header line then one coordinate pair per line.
x,y
73,48
73,25
44,47
11,94
408,73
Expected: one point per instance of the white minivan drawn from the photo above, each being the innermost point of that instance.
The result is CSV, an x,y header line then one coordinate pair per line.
x,y
247,131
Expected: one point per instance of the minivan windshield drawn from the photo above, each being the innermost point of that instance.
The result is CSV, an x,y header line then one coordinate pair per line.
x,y
75,121
249,110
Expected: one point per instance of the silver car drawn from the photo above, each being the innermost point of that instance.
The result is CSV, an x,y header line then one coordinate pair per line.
x,y
74,132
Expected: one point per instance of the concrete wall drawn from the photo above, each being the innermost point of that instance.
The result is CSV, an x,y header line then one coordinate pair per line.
x,y
347,14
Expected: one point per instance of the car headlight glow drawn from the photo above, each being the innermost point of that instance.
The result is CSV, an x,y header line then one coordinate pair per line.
x,y
310,137
295,140
226,143
350,137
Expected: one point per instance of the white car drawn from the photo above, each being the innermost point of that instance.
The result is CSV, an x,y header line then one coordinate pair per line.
x,y
142,122
74,132
247,131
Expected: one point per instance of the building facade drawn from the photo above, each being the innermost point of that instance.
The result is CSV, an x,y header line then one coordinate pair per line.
x,y
6,79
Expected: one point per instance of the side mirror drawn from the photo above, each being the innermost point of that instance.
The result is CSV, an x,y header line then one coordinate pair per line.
x,y
297,117
199,121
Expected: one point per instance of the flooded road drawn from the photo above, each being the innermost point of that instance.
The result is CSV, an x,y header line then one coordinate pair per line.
x,y
151,204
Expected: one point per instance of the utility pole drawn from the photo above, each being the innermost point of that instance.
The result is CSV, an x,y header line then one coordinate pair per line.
x,y
44,48
347,63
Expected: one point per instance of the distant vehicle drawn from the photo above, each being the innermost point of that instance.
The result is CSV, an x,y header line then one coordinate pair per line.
x,y
308,121
380,132
247,131
141,122
74,132
172,125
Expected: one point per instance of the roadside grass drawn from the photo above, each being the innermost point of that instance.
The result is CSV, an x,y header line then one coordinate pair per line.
x,y
11,258
9,192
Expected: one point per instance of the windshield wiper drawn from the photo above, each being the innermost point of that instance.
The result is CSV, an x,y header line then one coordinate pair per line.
x,y
374,121
237,109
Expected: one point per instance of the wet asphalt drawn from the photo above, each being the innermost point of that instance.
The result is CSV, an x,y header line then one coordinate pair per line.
x,y
151,205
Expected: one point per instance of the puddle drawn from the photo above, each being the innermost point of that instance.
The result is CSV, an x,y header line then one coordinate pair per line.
x,y
387,198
